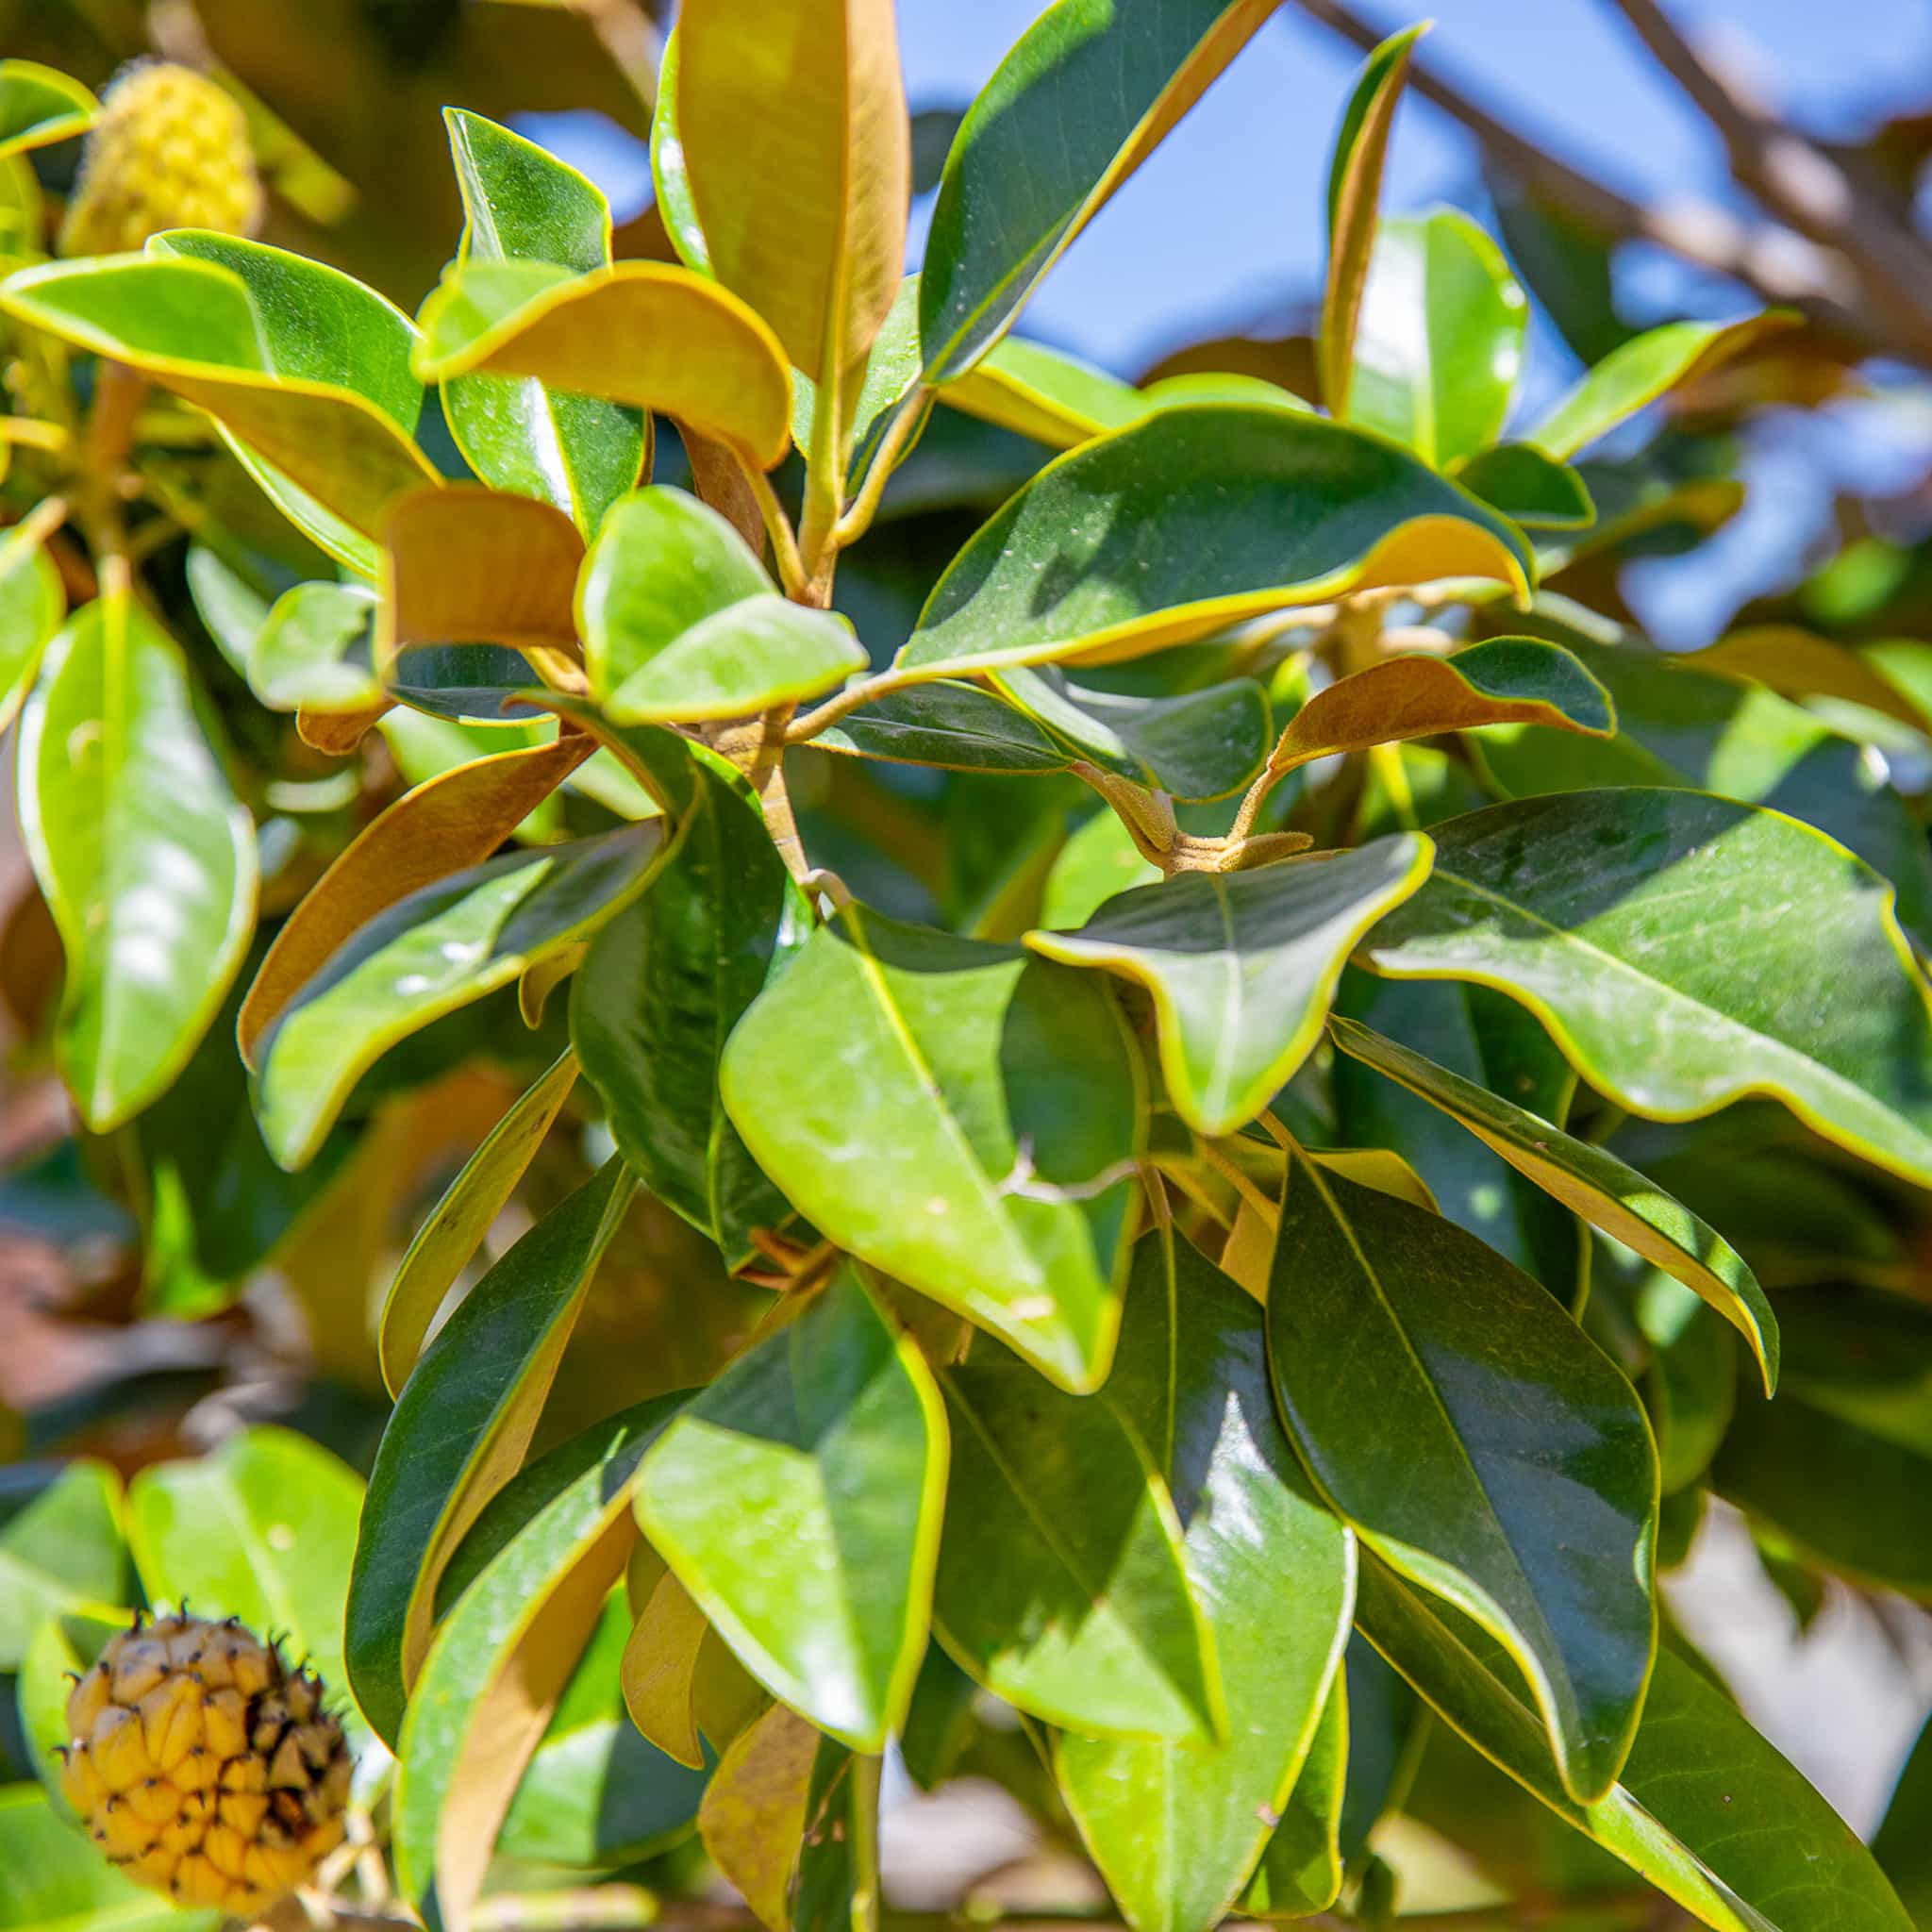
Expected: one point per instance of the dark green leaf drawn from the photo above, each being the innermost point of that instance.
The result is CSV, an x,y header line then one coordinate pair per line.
x,y
1530,489
955,725
1903,1843
61,1547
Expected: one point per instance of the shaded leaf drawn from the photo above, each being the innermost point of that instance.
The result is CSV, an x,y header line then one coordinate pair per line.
x,y
40,106
954,725
1531,490
53,1880
312,650
1507,1464
1100,556
1241,966
32,603
1301,1869
61,1547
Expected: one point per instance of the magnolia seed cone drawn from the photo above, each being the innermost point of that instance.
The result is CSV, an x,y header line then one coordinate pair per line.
x,y
203,1767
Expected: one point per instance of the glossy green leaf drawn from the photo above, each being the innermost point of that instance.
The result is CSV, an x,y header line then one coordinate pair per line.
x,y
1902,1844
1497,681
61,1547
40,106
1533,491
670,175
1241,966
974,1137
505,1654
680,621
1043,393
1505,1465
1704,1810
441,947
32,603
1640,370
892,370
1063,1583
661,989
1355,191
51,1879
1690,1385
459,1432
1593,1182
263,1529
1776,966
1201,745
954,725
1438,339
306,366
798,1500
1099,861
641,332
579,453
1085,95
1101,554
793,130
145,855
1175,1830
312,650
447,1242
1301,1868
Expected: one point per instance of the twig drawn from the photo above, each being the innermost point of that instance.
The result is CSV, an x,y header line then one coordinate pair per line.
x,y
864,506
778,527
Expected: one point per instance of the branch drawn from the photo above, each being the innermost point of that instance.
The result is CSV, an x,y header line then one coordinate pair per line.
x,y
1780,265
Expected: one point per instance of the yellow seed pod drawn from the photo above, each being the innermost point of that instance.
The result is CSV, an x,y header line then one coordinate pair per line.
x,y
203,1766
169,150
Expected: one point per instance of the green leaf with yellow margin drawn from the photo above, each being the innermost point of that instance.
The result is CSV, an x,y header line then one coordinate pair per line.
x,y
670,177
505,1654
578,452
145,855
1800,664
1686,951
448,1239
1355,190
1175,1829
454,821
40,106
1043,393
1086,93
1644,367
798,151
1592,1182
440,948
1302,1865
304,366
1533,491
641,332
798,1500
1704,1809
679,619
457,1434
1241,966
1098,557
1451,1476
1499,681
974,1138
32,603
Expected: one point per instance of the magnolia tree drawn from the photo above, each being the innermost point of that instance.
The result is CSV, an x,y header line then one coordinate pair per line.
x,y
1158,1014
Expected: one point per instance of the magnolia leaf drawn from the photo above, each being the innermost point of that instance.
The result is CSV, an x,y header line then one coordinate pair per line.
x,y
1099,556
1063,1584
304,656
458,1433
145,855
680,621
61,1548
310,369
1902,1844
454,821
891,371
51,1879
670,177
520,204
1660,934
798,1500
32,603
1043,393
1355,190
1533,491
440,948
792,127
1594,1183
754,1812
448,1239
1450,1478
661,989
263,1529
950,725
1643,369
1798,664
40,106
1704,1809
1084,97
1241,966
1302,1865
505,1655
1175,1830
660,1667
642,332
1438,338
975,1136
